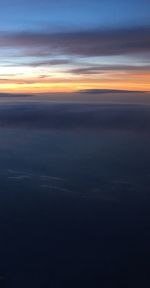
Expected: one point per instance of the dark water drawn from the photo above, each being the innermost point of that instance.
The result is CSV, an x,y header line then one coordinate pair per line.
x,y
74,200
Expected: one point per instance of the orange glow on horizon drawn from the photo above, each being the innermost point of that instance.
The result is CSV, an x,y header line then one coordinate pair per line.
x,y
72,83
71,87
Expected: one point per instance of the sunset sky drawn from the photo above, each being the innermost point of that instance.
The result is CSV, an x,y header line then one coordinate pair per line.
x,y
70,45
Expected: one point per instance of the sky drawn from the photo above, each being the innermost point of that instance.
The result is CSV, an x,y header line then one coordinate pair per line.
x,y
67,45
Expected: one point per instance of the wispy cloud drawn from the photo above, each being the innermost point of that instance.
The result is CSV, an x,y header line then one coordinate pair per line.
x,y
97,69
54,62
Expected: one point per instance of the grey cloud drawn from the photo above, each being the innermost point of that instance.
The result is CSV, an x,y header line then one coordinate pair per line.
x,y
38,63
102,69
96,42
54,62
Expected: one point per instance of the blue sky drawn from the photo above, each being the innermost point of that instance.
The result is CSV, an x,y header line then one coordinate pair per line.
x,y
33,14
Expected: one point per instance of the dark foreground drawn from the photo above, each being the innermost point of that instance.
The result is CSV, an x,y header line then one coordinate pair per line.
x,y
74,196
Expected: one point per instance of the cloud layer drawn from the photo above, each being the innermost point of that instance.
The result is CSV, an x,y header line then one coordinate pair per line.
x,y
73,60
40,115
96,42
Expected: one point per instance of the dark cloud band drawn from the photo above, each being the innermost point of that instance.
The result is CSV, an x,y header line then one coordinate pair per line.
x,y
88,43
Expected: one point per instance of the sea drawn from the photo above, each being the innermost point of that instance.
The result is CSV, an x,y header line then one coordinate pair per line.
x,y
74,194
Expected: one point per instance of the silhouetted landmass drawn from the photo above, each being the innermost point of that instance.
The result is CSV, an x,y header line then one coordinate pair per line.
x,y
103,91
11,95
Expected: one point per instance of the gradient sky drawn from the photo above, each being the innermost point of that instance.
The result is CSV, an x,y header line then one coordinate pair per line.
x,y
68,45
